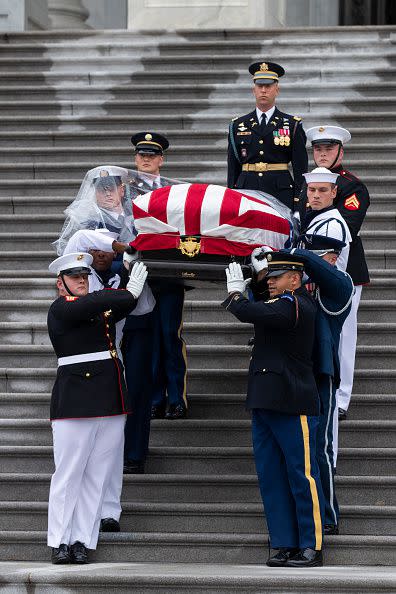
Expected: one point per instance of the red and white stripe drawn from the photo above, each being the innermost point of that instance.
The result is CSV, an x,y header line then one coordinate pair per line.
x,y
211,212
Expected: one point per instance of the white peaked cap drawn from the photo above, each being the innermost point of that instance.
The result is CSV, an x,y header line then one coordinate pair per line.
x,y
328,134
321,174
73,263
106,170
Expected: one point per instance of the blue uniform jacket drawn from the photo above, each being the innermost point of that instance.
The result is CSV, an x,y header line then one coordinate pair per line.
x,y
334,291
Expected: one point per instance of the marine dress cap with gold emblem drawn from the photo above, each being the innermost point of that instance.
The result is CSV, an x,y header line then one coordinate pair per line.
x,y
70,264
321,174
149,143
266,73
279,263
328,135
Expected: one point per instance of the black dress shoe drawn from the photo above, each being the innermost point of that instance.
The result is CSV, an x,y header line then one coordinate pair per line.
x,y
306,558
250,342
158,411
176,411
133,467
61,555
109,525
78,553
280,558
342,414
330,529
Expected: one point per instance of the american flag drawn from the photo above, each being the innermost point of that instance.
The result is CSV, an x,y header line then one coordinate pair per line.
x,y
227,221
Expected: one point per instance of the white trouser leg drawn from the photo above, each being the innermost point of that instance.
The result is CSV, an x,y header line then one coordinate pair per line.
x,y
111,507
335,435
346,352
84,451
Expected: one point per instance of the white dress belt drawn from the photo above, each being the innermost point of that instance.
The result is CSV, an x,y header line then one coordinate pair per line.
x,y
83,358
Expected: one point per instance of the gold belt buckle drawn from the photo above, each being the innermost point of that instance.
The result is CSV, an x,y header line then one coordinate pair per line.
x,y
114,354
261,166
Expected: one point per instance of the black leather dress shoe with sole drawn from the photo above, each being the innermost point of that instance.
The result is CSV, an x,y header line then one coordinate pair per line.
x,y
109,525
330,529
177,411
61,555
306,558
133,467
78,553
158,412
280,558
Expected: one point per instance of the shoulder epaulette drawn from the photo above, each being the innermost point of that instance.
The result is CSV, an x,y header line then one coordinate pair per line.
x,y
297,118
272,300
236,118
348,175
287,296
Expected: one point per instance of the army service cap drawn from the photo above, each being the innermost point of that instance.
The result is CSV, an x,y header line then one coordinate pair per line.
x,y
71,264
328,135
106,175
320,244
149,143
279,263
266,73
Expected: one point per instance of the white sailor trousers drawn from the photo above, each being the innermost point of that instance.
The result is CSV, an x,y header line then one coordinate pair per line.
x,y
86,451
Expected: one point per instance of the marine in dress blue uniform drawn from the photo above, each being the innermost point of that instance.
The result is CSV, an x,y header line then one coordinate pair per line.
x,y
333,291
283,398
263,142
352,201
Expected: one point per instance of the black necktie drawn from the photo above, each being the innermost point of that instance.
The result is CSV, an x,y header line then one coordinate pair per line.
x,y
263,121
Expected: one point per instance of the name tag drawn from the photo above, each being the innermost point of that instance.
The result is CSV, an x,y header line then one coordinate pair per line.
x,y
243,133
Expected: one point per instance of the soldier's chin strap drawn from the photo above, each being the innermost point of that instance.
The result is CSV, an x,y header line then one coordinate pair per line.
x,y
65,285
336,159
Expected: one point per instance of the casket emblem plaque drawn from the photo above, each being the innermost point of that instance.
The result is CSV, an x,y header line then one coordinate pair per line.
x,y
190,246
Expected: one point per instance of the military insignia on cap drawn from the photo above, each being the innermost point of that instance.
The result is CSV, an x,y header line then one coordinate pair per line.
x,y
321,129
269,257
103,173
80,257
148,137
297,118
352,203
264,67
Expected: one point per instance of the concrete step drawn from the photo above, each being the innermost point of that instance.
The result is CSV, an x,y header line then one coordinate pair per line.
x,y
204,460
381,221
195,433
378,238
196,488
202,548
226,518
166,578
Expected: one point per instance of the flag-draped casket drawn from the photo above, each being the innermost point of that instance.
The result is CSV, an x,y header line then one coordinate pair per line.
x,y
198,224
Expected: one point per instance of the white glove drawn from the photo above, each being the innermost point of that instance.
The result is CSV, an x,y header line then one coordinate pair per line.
x,y
235,280
261,264
129,258
137,279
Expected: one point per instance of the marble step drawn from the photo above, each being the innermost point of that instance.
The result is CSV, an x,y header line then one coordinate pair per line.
x,y
201,548
373,490
185,517
209,578
203,460
199,381
375,407
195,433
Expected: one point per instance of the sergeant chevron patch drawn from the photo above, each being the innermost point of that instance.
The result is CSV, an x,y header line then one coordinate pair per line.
x,y
352,202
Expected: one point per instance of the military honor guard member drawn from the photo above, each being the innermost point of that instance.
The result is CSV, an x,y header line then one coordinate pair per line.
x,y
284,403
321,217
333,291
352,201
169,358
263,142
88,404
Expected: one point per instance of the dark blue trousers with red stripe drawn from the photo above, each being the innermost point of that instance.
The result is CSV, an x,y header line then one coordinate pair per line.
x,y
288,474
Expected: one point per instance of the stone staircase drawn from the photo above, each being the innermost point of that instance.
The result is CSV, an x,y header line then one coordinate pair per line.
x,y
194,521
